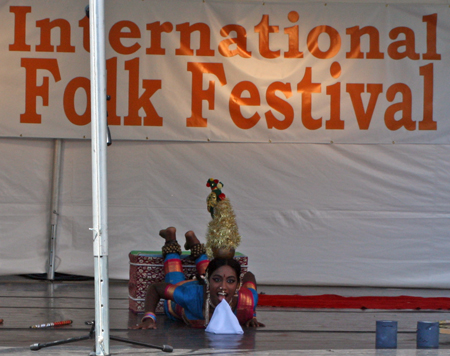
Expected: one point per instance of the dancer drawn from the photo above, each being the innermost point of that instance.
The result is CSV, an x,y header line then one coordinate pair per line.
x,y
194,301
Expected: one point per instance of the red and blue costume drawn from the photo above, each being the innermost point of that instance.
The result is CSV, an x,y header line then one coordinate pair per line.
x,y
184,299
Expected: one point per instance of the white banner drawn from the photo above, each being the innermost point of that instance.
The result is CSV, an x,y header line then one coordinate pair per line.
x,y
230,71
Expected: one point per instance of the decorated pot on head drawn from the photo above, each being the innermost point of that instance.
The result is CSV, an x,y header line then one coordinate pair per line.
x,y
222,237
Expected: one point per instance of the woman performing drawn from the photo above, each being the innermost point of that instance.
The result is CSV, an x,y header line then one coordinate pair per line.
x,y
194,301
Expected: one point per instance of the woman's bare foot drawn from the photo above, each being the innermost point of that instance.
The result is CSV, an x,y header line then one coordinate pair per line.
x,y
169,234
191,240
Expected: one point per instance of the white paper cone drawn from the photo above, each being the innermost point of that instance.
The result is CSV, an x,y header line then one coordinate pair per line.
x,y
224,321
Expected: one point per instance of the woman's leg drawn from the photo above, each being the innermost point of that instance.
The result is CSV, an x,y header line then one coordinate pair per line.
x,y
198,252
173,270
171,252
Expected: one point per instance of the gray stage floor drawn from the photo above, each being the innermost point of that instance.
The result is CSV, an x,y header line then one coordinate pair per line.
x,y
25,302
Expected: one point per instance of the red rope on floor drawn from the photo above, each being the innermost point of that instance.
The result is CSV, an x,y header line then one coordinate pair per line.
x,y
331,301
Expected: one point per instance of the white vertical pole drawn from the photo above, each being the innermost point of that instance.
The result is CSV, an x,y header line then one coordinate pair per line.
x,y
99,174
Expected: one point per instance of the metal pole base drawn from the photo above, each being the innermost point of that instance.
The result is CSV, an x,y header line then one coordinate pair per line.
x,y
38,346
165,348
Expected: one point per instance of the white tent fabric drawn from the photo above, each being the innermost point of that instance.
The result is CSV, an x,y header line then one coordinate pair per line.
x,y
353,215
25,195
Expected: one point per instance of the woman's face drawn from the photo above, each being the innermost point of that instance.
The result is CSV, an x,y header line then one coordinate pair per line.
x,y
222,284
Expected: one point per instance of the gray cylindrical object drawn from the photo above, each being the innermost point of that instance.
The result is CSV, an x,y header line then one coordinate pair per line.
x,y
427,335
386,334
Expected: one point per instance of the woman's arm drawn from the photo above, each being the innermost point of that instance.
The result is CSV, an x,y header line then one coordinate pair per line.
x,y
154,293
249,278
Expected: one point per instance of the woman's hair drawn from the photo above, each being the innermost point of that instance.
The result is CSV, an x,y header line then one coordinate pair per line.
x,y
219,262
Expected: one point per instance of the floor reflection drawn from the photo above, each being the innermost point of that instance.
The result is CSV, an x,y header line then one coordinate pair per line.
x,y
244,341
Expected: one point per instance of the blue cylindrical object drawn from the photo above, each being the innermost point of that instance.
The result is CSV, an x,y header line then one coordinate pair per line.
x,y
427,335
386,334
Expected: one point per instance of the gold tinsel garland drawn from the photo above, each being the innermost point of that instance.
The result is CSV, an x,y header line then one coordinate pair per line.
x,y
222,229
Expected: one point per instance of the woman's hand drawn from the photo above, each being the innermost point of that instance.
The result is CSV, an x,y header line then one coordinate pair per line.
x,y
254,323
154,293
146,324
